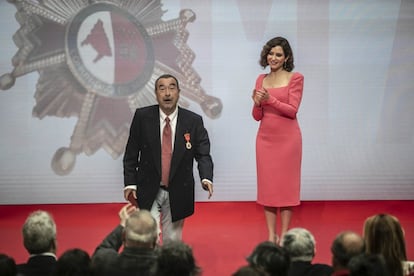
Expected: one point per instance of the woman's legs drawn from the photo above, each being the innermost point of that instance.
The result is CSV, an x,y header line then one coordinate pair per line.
x,y
270,215
285,216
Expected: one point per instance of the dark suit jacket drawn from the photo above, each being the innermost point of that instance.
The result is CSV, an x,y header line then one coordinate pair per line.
x,y
142,159
301,268
37,266
131,261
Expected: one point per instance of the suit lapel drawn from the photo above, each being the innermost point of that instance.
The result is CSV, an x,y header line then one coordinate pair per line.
x,y
179,142
152,131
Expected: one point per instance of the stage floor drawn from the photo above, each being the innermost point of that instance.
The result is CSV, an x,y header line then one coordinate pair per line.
x,y
222,234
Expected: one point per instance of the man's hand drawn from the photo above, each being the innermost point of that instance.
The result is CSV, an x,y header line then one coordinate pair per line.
x,y
128,191
207,186
125,212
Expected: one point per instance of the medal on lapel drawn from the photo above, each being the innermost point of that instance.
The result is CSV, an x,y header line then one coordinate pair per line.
x,y
187,139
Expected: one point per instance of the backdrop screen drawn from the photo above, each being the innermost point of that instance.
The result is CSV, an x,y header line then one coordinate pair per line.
x,y
73,74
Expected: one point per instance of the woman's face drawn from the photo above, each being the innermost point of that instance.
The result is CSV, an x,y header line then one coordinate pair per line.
x,y
276,58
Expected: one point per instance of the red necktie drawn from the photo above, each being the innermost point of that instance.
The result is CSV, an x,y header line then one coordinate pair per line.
x,y
166,152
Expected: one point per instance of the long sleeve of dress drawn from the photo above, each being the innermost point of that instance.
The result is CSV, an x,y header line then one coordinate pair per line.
x,y
257,111
290,108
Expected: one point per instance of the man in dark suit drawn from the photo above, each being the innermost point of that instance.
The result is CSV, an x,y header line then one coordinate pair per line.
x,y
137,232
39,238
158,172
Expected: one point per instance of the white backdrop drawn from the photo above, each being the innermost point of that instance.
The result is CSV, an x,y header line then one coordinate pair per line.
x,y
356,115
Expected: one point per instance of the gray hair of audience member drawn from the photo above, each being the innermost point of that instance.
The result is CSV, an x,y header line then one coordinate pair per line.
x,y
141,228
346,245
39,233
300,244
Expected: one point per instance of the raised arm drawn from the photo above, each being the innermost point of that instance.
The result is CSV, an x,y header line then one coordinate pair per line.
x,y
290,108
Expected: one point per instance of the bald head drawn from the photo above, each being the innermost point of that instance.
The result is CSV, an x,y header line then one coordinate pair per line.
x,y
345,246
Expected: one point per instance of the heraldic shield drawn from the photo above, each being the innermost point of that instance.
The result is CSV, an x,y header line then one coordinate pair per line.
x,y
98,61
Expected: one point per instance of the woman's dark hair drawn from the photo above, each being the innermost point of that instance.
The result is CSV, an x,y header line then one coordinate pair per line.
x,y
287,50
384,235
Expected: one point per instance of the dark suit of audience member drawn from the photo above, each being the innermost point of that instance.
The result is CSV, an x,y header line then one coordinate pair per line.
x,y
138,233
271,258
39,238
300,244
345,246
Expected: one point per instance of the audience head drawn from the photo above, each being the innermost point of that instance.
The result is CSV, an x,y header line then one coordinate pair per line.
x,y
175,258
140,230
248,270
73,262
39,233
7,266
300,244
367,265
345,246
271,258
384,235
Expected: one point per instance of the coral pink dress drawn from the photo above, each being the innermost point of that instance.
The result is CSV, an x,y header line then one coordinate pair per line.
x,y
279,144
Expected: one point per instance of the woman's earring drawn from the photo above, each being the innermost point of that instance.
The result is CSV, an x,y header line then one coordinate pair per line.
x,y
284,65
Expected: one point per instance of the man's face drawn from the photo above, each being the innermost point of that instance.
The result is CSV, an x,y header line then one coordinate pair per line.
x,y
167,94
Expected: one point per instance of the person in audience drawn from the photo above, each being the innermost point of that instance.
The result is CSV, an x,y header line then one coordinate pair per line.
x,y
300,244
248,270
73,262
39,238
7,265
346,245
384,235
175,258
368,265
271,258
138,233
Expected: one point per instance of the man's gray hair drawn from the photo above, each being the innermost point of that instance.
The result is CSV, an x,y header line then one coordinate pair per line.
x,y
300,244
39,232
141,227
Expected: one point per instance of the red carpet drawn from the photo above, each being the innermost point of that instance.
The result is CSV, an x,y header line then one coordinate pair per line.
x,y
222,234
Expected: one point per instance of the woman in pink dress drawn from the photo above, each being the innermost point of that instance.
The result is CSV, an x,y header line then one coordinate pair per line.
x,y
277,97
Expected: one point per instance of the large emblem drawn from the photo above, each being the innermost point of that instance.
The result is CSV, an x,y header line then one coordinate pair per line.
x,y
98,61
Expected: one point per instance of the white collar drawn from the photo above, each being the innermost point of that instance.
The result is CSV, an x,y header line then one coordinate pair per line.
x,y
172,116
44,254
